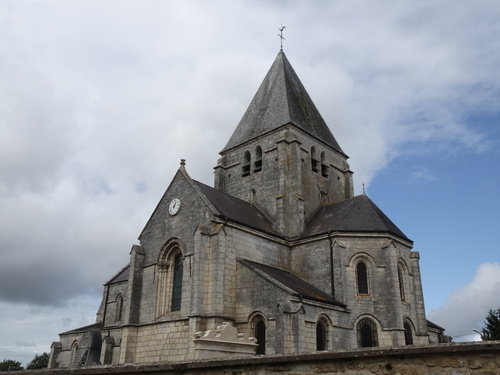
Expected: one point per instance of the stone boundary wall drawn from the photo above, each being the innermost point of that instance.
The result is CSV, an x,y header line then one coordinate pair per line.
x,y
442,359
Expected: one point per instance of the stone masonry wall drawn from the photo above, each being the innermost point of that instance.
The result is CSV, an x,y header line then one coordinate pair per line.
x,y
482,358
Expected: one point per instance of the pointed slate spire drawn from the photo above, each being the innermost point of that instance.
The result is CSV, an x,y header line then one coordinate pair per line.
x,y
281,99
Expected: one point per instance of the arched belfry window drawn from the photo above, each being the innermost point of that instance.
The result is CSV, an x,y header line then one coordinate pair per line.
x,y
259,332
321,335
367,333
119,308
246,164
170,275
258,159
314,160
401,282
408,334
324,166
362,278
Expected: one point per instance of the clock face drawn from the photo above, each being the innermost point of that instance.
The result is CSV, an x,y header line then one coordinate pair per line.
x,y
175,206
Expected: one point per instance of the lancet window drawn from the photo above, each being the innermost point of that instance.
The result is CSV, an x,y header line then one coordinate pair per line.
x,y
321,334
362,278
314,160
259,332
258,159
401,282
119,308
246,164
324,166
408,333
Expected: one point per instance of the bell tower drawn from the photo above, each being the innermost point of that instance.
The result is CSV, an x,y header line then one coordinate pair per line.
x,y
282,157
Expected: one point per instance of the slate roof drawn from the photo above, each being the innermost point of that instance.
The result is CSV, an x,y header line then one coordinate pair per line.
x,y
122,275
358,214
281,99
301,287
434,325
83,329
235,209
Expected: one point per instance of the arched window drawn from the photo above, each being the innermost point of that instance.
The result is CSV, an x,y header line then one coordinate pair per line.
x,y
119,308
177,284
401,283
259,332
367,333
74,349
246,164
258,159
408,334
170,275
324,166
321,335
314,160
362,278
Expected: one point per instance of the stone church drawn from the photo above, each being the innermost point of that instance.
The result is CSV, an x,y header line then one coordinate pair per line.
x,y
278,257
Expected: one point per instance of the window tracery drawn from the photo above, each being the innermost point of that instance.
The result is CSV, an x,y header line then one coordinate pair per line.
x,y
170,275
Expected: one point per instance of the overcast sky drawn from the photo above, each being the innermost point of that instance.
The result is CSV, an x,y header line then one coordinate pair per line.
x,y
99,100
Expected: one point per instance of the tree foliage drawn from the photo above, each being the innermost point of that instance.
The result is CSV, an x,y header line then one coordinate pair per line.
x,y
491,329
39,362
10,365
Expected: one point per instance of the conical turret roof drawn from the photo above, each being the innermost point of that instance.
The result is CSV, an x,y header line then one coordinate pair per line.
x,y
281,99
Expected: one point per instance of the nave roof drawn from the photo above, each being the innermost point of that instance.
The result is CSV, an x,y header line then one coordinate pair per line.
x,y
299,287
235,209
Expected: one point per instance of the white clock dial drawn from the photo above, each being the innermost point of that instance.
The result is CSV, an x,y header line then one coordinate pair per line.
x,y
175,206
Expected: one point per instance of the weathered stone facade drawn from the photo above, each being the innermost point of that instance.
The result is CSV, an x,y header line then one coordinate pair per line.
x,y
281,249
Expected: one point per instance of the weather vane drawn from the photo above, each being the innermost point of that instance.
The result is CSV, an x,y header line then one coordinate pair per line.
x,y
281,35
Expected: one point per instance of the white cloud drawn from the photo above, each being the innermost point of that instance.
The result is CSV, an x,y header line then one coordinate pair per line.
x,y
469,304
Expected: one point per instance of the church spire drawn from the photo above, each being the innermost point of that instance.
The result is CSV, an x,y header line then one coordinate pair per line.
x,y
281,99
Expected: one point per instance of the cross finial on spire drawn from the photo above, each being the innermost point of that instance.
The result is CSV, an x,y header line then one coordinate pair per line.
x,y
364,192
281,35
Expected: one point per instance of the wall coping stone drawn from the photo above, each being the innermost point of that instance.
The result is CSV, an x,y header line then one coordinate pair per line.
x,y
480,349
